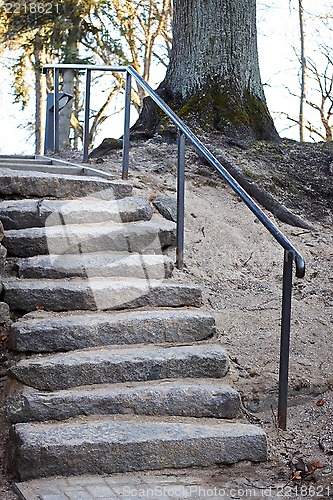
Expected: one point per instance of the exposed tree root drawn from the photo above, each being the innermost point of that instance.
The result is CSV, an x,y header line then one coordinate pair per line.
x,y
261,195
106,146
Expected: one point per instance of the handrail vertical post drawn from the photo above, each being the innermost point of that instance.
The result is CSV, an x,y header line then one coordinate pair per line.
x,y
56,111
285,340
180,200
126,136
86,116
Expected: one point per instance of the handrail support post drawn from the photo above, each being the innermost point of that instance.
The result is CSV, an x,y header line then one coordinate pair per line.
x,y
56,111
285,340
126,136
86,117
180,200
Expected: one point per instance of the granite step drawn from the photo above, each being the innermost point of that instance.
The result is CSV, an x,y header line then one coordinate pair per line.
x,y
46,168
31,184
99,264
39,167
22,214
110,444
23,161
117,364
61,168
143,237
97,294
183,397
50,165
46,332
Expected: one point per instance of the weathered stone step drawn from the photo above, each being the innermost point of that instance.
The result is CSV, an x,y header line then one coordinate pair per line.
x,y
119,364
23,160
41,332
97,294
104,445
44,185
21,214
142,237
100,264
33,165
44,167
30,165
183,397
55,166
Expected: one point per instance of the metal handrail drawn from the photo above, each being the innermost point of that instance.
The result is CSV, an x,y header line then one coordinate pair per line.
x,y
291,255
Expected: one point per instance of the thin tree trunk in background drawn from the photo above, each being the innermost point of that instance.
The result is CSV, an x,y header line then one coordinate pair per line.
x,y
65,113
76,109
68,86
40,103
302,123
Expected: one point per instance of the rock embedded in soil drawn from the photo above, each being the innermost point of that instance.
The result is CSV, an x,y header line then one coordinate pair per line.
x,y
167,207
3,256
4,313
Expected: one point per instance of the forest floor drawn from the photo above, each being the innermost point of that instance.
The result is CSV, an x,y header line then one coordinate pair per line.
x,y
239,265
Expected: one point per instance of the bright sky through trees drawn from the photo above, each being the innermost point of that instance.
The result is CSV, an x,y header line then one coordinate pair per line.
x,y
279,49
278,39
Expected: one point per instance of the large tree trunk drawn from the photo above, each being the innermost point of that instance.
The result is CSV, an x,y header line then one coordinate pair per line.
x,y
213,78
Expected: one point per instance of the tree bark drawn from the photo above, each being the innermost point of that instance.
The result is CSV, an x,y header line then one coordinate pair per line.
x,y
213,78
66,112
76,110
40,96
302,123
68,85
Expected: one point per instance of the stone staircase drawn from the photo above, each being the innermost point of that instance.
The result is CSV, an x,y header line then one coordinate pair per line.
x,y
119,368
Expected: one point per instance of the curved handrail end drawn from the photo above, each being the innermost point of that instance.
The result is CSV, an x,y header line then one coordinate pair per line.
x,y
300,266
